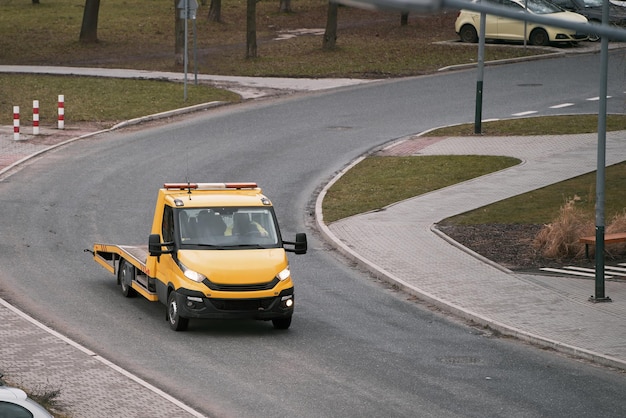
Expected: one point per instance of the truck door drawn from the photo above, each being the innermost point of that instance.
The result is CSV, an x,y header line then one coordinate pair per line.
x,y
162,266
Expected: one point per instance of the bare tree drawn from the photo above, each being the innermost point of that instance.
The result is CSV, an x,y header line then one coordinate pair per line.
x,y
330,34
251,51
285,6
215,11
89,27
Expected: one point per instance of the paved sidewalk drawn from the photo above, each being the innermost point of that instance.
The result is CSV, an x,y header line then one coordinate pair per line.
x,y
246,87
401,245
37,358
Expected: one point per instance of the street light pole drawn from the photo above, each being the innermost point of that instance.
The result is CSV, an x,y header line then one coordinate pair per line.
x,y
478,114
186,57
601,163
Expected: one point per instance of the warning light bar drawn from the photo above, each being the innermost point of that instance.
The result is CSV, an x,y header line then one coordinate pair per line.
x,y
209,186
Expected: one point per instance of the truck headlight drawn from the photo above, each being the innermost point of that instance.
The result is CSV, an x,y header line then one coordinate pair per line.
x,y
284,275
190,274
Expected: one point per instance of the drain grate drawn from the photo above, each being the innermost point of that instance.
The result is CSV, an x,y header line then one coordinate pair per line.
x,y
460,360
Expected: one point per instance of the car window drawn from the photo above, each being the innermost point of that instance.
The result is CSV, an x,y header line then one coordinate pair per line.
x,y
566,4
541,7
511,4
11,410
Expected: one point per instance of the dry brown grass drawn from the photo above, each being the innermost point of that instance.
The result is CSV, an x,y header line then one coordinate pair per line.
x,y
559,239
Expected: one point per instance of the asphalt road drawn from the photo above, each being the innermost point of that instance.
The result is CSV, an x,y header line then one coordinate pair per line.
x,y
356,347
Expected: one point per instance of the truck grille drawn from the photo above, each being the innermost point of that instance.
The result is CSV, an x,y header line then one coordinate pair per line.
x,y
242,304
241,287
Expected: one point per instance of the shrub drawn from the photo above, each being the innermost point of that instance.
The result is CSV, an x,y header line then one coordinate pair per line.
x,y
559,239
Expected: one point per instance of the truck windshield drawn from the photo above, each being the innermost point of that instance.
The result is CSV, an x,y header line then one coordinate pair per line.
x,y
228,227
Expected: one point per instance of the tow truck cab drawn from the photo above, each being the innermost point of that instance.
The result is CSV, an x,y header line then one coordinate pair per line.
x,y
215,251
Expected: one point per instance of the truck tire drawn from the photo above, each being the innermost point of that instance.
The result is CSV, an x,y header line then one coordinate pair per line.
x,y
281,323
126,275
177,323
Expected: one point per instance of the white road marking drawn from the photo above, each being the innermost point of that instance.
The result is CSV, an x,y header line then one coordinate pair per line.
x,y
560,106
529,112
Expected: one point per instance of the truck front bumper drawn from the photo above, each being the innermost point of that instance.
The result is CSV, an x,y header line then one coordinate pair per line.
x,y
195,305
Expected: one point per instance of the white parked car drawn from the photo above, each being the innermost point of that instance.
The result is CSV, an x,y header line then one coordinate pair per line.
x,y
467,24
14,403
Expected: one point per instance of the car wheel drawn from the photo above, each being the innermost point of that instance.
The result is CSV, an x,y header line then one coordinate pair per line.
x,y
281,323
126,276
594,37
177,323
468,34
539,37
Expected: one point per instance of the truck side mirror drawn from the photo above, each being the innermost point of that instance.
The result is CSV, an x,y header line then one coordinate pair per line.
x,y
155,245
299,246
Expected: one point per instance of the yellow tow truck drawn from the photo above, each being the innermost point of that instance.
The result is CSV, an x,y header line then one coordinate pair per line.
x,y
214,251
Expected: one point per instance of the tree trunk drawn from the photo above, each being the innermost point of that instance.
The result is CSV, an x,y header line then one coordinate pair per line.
x,y
215,11
179,37
251,51
285,6
330,34
89,28
35,1
404,19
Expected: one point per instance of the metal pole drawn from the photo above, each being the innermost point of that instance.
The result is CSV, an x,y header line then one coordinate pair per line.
x,y
195,53
600,171
478,114
185,57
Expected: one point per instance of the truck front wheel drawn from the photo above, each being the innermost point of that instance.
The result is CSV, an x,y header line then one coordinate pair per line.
x,y
177,323
281,323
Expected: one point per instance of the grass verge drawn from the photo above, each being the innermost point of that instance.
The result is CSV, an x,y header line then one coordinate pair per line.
x,y
379,181
351,194
94,99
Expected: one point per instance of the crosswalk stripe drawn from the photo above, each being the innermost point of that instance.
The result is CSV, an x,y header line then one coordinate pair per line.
x,y
579,271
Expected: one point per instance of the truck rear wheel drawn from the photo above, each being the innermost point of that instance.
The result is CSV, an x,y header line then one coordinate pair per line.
x,y
126,276
281,323
177,323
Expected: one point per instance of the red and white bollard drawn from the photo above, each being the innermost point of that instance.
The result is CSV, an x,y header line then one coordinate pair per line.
x,y
35,117
61,123
16,123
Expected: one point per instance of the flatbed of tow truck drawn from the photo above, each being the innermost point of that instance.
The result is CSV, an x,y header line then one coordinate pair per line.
x,y
109,255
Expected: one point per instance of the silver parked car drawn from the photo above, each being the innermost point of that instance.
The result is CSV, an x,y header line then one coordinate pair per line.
x,y
14,403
